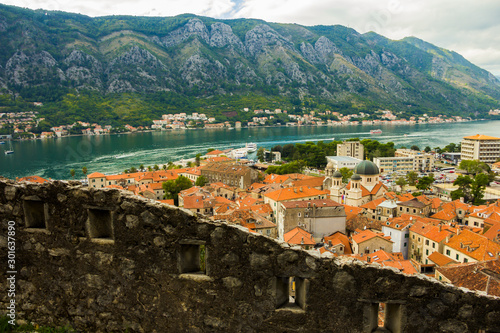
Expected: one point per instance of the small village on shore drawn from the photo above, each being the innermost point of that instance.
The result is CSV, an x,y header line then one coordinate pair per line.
x,y
370,210
30,125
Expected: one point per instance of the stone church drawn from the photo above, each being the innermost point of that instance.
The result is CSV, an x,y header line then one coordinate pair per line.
x,y
364,185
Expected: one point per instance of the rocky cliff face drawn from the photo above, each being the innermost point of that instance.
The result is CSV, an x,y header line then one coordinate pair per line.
x,y
190,54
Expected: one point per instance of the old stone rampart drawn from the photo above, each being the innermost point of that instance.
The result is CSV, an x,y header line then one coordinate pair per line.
x,y
104,261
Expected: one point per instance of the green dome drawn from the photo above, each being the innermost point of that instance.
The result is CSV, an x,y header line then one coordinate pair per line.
x,y
337,174
366,168
356,177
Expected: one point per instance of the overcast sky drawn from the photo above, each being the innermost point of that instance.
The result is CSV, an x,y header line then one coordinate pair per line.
x,y
471,28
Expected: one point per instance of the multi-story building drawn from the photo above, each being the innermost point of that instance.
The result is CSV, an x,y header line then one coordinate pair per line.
x,y
351,148
422,161
482,148
339,162
399,230
368,241
320,217
391,165
230,174
468,246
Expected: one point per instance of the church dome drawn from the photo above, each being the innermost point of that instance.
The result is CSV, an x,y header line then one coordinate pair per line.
x,y
356,177
366,168
337,174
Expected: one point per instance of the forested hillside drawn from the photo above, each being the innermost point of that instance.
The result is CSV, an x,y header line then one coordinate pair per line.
x,y
134,69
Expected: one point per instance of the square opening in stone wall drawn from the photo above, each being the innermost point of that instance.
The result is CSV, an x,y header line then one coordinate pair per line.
x,y
100,224
385,317
291,292
35,214
192,258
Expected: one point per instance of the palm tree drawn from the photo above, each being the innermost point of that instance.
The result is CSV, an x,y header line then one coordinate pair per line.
x,y
72,172
84,170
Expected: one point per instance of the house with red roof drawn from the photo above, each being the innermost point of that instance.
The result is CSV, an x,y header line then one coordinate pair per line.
x,y
298,236
479,276
338,243
367,241
320,217
468,246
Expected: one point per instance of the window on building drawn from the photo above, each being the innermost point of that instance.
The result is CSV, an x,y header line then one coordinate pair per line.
x,y
426,242
447,252
404,245
458,257
466,260
433,245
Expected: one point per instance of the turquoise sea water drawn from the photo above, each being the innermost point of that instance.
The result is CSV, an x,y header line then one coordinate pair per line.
x,y
54,158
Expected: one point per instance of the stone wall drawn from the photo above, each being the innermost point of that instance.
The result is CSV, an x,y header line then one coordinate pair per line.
x,y
104,260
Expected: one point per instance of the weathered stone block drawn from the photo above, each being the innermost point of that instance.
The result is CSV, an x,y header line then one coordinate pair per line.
x,y
259,261
232,282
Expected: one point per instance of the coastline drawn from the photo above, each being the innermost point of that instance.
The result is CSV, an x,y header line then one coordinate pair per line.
x,y
247,127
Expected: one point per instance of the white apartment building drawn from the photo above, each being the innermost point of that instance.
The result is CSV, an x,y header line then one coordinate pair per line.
x,y
351,148
482,148
391,165
422,161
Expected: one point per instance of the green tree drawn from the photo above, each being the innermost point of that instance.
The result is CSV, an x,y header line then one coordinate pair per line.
x,y
156,167
201,181
141,167
415,147
412,177
474,167
164,167
84,170
463,191
346,174
133,170
424,183
72,172
477,188
260,154
401,182
173,187
210,150
427,149
197,159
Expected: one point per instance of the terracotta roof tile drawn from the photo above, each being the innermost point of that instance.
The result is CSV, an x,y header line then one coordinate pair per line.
x,y
299,236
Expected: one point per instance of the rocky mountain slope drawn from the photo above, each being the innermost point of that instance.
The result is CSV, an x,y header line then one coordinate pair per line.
x,y
45,55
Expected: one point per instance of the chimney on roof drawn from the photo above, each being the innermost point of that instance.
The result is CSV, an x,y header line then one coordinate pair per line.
x,y
462,199
458,231
439,227
330,244
368,259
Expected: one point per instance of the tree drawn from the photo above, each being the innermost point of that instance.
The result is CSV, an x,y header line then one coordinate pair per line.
x,y
401,182
164,167
197,159
463,191
133,169
424,183
474,167
477,188
201,181
346,174
412,177
72,172
84,170
141,167
427,149
415,147
174,187
210,149
260,154
156,167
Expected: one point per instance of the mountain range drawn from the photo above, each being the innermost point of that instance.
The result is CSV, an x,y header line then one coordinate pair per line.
x,y
47,56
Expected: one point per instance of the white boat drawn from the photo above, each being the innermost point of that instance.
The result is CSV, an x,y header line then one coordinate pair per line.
x,y
251,147
239,153
376,131
8,152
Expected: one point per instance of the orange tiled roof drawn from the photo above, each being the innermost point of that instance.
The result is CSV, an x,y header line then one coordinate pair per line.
x,y
445,215
299,236
352,211
493,232
312,182
96,175
481,137
311,203
473,245
367,235
33,179
474,276
339,237
373,204
167,201
291,193
440,259
214,152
